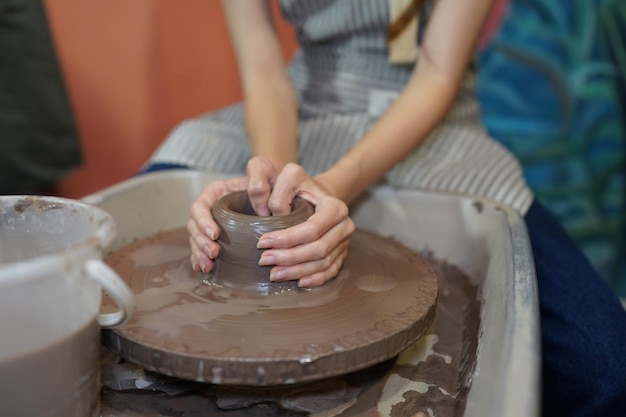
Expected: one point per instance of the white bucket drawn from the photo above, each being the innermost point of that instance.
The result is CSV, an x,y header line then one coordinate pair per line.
x,y
51,281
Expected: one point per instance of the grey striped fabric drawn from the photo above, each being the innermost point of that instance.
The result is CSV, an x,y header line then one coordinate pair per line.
x,y
341,68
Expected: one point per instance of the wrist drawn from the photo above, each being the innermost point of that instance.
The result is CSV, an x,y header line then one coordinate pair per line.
x,y
280,147
341,181
275,141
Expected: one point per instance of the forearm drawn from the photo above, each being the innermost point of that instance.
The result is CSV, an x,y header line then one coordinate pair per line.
x,y
404,126
448,45
271,119
269,99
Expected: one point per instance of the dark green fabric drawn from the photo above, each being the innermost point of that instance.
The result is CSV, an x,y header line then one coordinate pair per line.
x,y
38,139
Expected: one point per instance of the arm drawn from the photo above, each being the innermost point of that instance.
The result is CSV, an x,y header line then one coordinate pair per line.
x,y
449,43
269,99
270,118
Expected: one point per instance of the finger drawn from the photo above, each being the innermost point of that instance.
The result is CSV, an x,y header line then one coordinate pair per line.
x,y
310,251
288,182
201,209
199,261
261,176
203,219
208,247
330,263
329,213
319,278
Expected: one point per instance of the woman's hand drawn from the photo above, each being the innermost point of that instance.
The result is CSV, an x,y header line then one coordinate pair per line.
x,y
313,251
203,231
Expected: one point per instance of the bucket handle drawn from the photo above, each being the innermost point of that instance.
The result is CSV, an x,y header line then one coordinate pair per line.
x,y
116,288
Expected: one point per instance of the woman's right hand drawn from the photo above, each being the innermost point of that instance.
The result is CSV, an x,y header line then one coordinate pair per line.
x,y
203,231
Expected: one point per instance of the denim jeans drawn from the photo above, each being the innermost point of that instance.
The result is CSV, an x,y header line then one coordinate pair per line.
x,y
583,327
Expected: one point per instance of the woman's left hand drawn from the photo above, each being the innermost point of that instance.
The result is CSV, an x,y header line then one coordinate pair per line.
x,y
313,251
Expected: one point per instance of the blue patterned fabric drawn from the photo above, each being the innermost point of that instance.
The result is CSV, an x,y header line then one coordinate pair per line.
x,y
552,89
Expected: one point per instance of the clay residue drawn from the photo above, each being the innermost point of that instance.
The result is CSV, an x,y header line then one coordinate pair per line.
x,y
382,300
37,203
432,376
446,372
478,205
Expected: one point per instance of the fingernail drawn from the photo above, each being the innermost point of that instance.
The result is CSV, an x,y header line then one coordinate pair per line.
x,y
276,275
209,233
267,260
264,243
207,250
195,267
304,282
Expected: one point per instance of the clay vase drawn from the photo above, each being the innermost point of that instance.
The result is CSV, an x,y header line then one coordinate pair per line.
x,y
237,265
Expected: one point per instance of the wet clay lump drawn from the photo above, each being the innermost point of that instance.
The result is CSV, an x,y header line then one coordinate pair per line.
x,y
240,230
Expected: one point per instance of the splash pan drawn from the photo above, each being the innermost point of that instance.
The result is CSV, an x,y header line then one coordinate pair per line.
x,y
480,356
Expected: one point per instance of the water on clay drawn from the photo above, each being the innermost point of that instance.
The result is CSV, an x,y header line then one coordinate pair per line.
x,y
382,300
432,376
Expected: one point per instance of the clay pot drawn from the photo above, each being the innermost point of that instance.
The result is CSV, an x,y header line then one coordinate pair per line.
x,y
237,265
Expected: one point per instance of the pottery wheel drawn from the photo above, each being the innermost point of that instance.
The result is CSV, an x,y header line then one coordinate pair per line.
x,y
383,299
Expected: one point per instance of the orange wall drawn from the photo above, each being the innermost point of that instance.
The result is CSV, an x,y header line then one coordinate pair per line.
x,y
133,70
